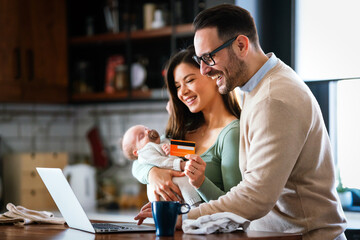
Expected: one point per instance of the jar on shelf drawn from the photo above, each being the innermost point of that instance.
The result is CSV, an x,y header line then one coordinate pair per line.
x,y
121,78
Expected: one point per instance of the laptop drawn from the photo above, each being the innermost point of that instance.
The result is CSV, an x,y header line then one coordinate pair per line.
x,y
72,211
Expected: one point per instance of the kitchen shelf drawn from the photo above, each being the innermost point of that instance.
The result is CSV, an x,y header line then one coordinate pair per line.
x,y
92,57
118,96
179,30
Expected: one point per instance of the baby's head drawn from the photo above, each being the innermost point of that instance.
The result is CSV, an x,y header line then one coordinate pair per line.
x,y
135,138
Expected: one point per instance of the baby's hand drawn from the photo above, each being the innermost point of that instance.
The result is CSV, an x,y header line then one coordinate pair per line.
x,y
166,148
182,165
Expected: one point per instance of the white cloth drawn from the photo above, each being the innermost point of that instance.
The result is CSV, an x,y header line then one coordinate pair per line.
x,y
24,216
153,154
223,222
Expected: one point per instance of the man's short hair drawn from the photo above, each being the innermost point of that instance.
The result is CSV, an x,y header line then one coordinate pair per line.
x,y
230,21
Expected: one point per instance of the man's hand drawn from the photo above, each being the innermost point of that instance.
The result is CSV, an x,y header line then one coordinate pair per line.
x,y
161,181
144,213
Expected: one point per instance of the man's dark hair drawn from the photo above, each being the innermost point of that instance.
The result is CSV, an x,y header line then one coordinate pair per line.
x,y
230,21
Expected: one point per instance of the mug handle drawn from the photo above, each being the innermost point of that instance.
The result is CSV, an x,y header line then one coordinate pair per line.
x,y
187,206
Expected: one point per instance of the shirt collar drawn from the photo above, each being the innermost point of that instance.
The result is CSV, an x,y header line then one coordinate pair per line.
x,y
254,80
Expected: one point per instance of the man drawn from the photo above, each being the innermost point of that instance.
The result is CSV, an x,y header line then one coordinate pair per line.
x,y
285,155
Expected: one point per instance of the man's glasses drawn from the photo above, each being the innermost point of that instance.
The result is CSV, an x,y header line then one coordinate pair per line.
x,y
208,57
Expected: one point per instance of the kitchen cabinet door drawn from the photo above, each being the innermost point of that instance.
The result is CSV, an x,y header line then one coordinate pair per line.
x,y
10,51
44,43
33,51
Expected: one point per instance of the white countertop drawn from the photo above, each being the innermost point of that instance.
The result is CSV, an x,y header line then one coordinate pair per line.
x,y
353,220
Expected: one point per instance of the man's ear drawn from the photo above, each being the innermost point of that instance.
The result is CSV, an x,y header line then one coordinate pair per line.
x,y
242,44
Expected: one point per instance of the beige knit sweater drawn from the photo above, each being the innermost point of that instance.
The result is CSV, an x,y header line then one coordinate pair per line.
x,y
286,162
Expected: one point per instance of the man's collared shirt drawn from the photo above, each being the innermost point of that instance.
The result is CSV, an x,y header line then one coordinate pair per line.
x,y
254,80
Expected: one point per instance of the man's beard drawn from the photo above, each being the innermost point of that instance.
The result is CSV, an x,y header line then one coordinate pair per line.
x,y
234,78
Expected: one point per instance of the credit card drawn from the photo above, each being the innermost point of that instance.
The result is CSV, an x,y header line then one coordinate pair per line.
x,y
180,148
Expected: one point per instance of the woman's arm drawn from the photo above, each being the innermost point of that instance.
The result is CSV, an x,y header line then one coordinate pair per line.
x,y
160,179
230,172
230,168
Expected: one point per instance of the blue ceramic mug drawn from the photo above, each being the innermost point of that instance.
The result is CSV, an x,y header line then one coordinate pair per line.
x,y
165,214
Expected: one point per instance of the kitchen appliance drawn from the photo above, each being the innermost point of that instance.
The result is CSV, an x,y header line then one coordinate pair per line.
x,y
82,180
100,156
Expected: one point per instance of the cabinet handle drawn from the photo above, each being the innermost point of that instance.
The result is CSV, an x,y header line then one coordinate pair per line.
x,y
17,63
33,174
30,63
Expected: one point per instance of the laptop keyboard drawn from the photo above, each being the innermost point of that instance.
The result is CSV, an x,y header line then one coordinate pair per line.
x,y
109,227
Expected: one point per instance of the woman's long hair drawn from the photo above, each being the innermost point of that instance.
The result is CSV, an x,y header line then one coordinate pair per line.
x,y
181,120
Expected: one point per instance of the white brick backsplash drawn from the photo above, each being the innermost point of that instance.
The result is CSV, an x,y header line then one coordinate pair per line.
x,y
19,144
27,128
62,129
9,129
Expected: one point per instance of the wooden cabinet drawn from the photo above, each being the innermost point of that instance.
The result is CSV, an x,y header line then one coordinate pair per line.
x,y
33,51
10,62
90,52
22,183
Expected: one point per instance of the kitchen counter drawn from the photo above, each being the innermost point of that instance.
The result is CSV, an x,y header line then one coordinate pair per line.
x,y
353,219
128,216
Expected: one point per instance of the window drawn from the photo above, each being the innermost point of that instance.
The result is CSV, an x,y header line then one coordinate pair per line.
x,y
347,135
327,39
327,47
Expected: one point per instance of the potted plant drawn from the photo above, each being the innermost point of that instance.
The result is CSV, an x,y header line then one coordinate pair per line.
x,y
345,194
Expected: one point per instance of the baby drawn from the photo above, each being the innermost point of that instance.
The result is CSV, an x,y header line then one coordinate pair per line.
x,y
144,144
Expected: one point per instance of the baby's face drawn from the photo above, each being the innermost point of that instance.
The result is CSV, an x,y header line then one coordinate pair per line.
x,y
143,135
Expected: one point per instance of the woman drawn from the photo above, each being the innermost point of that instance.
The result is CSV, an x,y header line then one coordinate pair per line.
x,y
201,114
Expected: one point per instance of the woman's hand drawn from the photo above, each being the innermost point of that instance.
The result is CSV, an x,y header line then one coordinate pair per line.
x,y
161,181
195,170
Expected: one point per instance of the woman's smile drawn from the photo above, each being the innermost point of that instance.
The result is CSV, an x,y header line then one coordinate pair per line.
x,y
189,100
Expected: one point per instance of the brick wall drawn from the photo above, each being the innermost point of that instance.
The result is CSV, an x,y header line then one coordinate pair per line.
x,y
63,128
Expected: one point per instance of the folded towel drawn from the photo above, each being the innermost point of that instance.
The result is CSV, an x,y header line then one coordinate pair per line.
x,y
219,222
22,215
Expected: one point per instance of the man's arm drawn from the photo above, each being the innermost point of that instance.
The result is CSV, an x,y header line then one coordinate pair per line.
x,y
276,138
